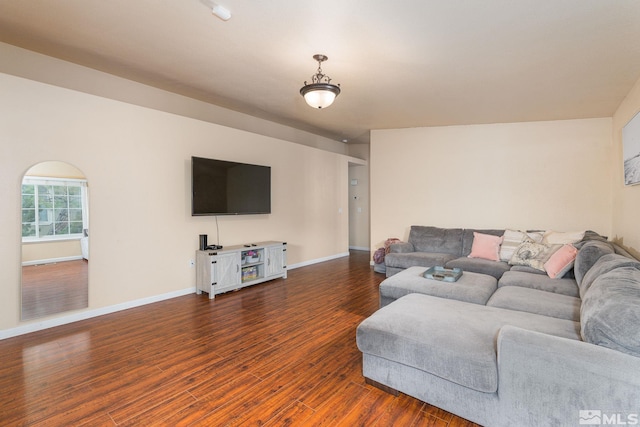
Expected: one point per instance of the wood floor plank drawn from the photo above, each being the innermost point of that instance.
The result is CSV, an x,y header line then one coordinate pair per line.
x,y
427,420
437,412
281,353
460,422
372,407
157,413
208,407
295,414
403,411
275,393
335,377
337,406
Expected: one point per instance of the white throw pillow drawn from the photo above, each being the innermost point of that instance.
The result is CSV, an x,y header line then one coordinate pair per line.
x,y
562,238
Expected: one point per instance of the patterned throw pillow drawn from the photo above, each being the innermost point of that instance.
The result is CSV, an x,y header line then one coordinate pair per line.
x,y
533,254
512,239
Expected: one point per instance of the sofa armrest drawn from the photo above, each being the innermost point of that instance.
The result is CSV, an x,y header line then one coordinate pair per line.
x,y
401,248
548,380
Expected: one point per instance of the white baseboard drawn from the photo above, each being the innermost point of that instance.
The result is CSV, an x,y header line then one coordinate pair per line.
x,y
83,315
359,248
52,260
317,260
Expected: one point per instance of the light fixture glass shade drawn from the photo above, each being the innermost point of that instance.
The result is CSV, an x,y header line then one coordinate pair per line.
x,y
320,95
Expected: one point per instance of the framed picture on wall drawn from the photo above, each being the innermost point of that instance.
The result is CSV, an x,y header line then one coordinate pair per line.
x,y
631,151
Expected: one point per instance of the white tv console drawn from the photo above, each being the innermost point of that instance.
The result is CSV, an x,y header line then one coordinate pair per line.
x,y
234,267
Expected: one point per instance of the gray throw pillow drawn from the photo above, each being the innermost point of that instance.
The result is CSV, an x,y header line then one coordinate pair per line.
x,y
610,312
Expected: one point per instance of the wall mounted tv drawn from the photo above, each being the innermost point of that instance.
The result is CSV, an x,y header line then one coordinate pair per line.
x,y
219,187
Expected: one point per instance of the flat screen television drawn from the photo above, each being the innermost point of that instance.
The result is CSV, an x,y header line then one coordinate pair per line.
x,y
220,187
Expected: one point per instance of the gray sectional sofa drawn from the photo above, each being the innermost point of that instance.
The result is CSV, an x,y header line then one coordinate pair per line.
x,y
510,346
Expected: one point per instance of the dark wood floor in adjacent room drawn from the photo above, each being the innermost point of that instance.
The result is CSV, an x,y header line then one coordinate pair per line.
x,y
279,353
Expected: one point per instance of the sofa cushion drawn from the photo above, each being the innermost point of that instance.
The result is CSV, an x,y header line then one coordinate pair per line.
x,y
610,312
539,281
588,254
605,264
536,301
526,269
479,265
435,239
422,259
456,341
470,287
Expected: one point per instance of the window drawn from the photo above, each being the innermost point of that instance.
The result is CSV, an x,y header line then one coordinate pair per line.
x,y
53,209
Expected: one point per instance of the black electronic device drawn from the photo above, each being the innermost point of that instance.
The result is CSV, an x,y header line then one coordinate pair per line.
x,y
203,242
221,187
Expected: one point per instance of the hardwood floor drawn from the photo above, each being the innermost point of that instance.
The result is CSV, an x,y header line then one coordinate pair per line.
x,y
279,353
54,288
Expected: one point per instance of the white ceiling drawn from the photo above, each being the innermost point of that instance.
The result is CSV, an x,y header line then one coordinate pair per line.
x,y
407,63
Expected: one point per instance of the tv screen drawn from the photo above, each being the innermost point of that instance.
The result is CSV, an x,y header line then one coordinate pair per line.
x,y
229,188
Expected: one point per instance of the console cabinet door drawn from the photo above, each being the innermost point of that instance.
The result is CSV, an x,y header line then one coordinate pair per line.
x,y
227,268
275,260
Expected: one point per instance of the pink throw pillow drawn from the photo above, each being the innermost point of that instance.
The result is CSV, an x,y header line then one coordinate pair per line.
x,y
561,261
486,246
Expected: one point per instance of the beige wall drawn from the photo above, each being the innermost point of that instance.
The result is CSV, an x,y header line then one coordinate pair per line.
x,y
137,161
543,175
626,199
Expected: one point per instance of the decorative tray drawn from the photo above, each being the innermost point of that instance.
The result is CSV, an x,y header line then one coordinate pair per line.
x,y
443,274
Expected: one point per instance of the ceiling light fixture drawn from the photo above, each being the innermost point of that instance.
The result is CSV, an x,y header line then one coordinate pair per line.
x,y
320,93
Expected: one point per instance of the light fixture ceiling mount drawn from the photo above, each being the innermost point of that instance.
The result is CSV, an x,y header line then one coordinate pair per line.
x,y
218,10
320,93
